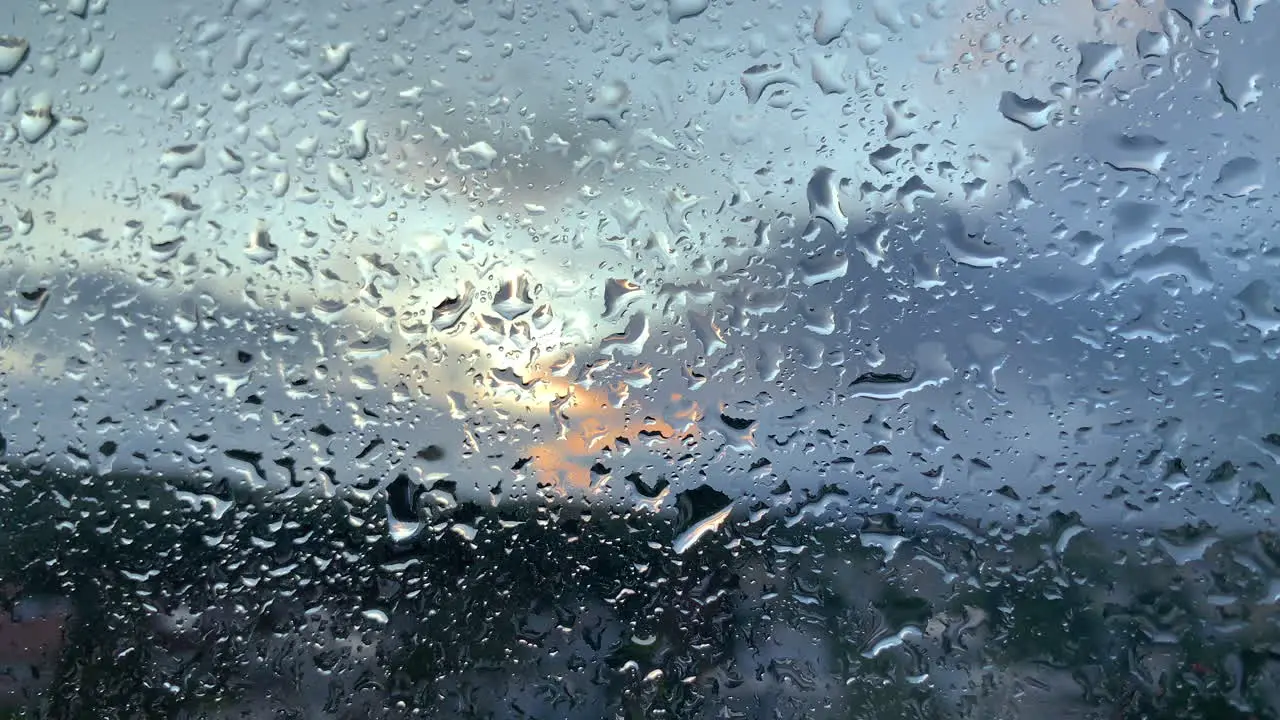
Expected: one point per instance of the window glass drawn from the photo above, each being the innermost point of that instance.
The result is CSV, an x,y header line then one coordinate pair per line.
x,y
639,358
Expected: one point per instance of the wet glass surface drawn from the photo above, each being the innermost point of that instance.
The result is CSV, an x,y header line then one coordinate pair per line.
x,y
639,358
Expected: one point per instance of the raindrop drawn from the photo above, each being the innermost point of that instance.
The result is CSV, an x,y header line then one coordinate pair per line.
x,y
1030,113
449,312
619,294
13,50
29,305
1239,177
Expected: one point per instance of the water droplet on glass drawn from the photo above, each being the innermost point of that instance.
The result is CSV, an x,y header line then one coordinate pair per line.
x,y
1239,177
450,311
13,50
1030,112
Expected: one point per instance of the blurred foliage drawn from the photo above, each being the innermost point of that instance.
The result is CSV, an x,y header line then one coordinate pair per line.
x,y
567,608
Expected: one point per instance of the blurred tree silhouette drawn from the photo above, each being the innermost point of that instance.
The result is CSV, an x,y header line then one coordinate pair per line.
x,y
306,608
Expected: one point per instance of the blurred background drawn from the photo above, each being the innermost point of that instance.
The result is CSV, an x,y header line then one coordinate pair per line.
x,y
638,358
